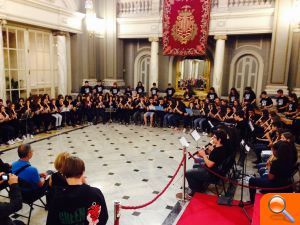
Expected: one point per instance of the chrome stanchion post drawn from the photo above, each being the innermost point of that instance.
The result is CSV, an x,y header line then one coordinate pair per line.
x,y
184,170
117,215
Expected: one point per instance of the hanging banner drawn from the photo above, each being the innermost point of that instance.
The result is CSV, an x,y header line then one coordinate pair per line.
x,y
185,27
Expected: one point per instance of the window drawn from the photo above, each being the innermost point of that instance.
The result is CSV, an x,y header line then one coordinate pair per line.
x,y
40,63
30,62
14,63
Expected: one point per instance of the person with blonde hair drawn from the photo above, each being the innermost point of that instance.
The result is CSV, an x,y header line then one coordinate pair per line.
x,y
57,179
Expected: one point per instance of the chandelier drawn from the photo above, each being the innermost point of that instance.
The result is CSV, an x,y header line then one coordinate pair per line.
x,y
90,18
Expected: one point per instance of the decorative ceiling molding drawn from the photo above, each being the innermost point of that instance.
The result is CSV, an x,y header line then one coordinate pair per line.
x,y
43,13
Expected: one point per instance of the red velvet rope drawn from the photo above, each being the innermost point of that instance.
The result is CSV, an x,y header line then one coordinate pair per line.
x,y
246,186
161,193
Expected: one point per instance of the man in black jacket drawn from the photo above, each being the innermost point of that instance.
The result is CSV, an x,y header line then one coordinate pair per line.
x,y
15,204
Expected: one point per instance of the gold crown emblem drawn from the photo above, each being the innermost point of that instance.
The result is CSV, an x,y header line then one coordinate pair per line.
x,y
185,28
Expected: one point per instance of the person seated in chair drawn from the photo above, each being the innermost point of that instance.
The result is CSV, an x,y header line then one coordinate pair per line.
x,y
4,167
57,181
279,173
37,186
78,203
212,158
15,204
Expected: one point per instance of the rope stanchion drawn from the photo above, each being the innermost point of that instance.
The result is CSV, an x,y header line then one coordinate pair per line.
x,y
116,213
226,179
118,206
160,194
184,172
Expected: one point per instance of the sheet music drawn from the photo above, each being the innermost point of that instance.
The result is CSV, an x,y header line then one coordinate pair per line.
x,y
195,135
184,142
247,148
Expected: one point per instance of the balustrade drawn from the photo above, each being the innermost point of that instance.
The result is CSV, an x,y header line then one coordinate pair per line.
x,y
131,8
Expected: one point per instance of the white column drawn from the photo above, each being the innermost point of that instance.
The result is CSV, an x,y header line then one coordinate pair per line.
x,y
154,61
2,73
219,63
62,64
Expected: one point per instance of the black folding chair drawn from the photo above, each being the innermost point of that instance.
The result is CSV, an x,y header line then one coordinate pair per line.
x,y
223,170
31,198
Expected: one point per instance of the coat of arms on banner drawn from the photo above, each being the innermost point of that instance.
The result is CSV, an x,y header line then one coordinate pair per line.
x,y
185,27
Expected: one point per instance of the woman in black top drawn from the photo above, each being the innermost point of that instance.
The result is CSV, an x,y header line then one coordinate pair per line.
x,y
249,97
57,181
212,95
179,113
140,88
78,203
233,96
100,110
279,174
78,109
37,109
7,132
292,105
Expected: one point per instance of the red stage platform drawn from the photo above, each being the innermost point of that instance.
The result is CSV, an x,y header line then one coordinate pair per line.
x,y
203,209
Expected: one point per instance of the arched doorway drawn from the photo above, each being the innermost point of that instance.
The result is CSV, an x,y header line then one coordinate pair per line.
x,y
142,69
246,70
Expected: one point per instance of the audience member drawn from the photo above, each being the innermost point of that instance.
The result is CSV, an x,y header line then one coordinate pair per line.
x,y
28,173
15,201
78,203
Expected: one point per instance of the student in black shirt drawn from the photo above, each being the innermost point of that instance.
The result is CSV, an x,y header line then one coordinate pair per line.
x,y
265,101
241,124
128,91
249,97
282,101
78,203
140,88
279,173
292,105
212,95
140,108
212,159
86,88
114,89
161,113
233,96
179,112
99,88
154,90
170,91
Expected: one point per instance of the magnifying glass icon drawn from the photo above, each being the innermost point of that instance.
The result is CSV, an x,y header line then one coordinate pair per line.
x,y
277,204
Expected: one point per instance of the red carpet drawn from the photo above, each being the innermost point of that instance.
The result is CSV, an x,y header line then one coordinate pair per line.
x,y
256,212
203,209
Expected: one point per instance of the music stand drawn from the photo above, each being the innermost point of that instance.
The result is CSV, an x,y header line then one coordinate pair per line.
x,y
196,136
110,110
245,149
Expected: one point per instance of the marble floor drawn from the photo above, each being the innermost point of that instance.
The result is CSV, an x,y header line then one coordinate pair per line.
x,y
130,164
